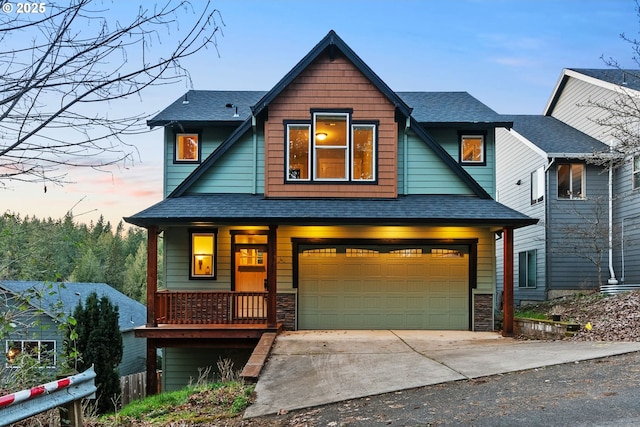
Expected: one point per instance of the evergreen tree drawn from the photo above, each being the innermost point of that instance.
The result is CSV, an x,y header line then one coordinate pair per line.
x,y
99,343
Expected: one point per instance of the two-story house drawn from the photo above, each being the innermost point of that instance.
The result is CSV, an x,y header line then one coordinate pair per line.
x,y
327,202
603,103
543,172
550,167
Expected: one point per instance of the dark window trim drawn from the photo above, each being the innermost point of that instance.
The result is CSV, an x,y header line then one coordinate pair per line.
x,y
175,151
350,123
214,261
483,134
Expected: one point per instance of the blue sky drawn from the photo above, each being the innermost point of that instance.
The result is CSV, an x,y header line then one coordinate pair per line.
x,y
507,53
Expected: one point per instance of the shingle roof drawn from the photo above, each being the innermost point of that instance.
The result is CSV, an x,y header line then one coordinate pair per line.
x,y
554,137
449,107
622,77
208,106
428,108
252,209
132,313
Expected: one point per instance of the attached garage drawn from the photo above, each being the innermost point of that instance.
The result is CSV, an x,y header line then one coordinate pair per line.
x,y
412,285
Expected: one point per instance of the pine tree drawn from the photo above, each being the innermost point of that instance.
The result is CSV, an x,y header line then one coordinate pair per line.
x,y
99,343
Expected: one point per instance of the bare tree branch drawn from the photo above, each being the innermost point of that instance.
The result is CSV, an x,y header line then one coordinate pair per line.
x,y
55,67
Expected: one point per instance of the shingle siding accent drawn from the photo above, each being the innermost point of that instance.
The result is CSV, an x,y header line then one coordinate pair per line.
x,y
330,84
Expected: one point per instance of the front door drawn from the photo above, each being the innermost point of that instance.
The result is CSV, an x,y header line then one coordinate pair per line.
x,y
250,277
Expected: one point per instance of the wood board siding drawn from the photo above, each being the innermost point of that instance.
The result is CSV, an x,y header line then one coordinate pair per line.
x,y
566,268
485,175
331,84
177,245
231,174
516,162
573,109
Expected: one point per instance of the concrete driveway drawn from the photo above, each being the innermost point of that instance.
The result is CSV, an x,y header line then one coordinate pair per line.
x,y
310,368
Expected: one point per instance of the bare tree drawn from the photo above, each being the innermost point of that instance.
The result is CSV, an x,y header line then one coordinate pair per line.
x,y
63,70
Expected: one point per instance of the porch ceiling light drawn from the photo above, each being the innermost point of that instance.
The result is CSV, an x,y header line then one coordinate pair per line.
x,y
321,136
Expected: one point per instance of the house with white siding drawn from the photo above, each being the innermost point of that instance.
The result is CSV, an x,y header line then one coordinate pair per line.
x,y
329,201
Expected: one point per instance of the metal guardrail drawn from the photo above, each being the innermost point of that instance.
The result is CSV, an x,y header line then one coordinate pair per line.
x,y
27,403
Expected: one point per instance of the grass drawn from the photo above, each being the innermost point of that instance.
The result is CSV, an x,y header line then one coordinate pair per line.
x,y
194,404
530,314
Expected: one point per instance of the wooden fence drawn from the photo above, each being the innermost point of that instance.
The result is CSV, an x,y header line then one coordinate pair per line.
x,y
134,387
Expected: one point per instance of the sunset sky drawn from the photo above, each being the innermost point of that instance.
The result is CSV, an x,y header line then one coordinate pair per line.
x,y
507,53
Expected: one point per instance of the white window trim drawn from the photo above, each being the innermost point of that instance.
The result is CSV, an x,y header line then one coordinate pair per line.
x,y
7,346
634,172
373,152
583,184
346,148
539,176
309,155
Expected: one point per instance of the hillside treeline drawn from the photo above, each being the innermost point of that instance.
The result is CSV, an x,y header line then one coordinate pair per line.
x,y
61,250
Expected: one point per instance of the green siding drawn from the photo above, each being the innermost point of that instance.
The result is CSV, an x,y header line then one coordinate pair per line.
x,y
235,163
484,175
184,366
427,174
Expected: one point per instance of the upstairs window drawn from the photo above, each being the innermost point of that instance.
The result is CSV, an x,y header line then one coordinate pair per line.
x,y
331,148
571,181
203,254
537,185
187,148
636,172
472,150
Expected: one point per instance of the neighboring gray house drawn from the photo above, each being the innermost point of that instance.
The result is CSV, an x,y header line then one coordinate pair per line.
x,y
574,101
43,338
542,173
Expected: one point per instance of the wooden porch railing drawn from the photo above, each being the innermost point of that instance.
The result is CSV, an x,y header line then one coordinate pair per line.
x,y
207,308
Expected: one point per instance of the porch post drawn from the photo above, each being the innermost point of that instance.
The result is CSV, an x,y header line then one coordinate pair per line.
x,y
272,274
507,296
152,368
152,275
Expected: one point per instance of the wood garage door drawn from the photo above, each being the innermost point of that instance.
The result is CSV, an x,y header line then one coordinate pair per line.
x,y
383,287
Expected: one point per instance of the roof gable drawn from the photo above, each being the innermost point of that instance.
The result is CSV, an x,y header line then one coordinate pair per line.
x,y
612,79
329,44
433,108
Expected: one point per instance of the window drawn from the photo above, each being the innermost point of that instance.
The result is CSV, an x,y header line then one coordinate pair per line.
x,y
527,269
331,148
203,254
636,171
42,351
537,185
187,149
298,160
571,181
472,150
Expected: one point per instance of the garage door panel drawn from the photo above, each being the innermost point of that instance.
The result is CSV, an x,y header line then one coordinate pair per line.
x,y
383,292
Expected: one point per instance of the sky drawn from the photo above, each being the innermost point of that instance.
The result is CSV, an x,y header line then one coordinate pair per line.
x,y
509,54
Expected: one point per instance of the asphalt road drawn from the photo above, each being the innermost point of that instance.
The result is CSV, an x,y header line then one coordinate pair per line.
x,y
602,392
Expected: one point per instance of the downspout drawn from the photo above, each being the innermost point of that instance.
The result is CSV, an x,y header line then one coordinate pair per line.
x,y
612,279
254,163
405,160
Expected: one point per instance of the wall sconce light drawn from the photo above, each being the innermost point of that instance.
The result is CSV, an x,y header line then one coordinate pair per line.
x,y
321,136
233,106
519,182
